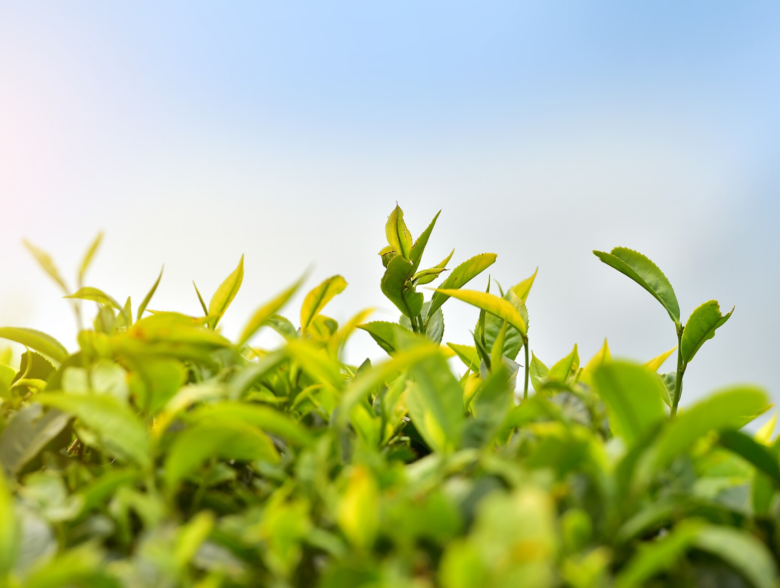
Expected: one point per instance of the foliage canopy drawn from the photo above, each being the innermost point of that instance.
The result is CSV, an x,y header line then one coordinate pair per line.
x,y
160,453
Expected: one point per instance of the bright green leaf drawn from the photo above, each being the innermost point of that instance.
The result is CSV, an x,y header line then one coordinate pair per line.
x,y
416,253
85,262
398,236
489,303
226,292
318,297
461,275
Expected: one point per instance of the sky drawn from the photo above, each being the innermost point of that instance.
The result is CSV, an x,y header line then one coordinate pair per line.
x,y
192,133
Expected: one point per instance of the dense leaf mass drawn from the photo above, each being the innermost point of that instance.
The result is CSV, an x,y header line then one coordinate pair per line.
x,y
157,452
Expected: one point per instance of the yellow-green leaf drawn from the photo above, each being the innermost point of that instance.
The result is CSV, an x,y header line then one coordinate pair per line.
x,y
226,293
398,236
499,307
268,310
10,533
358,510
88,258
460,276
45,261
119,429
416,252
36,340
467,354
318,297
149,295
522,289
655,364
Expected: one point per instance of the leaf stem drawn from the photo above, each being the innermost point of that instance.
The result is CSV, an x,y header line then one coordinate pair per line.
x,y
681,365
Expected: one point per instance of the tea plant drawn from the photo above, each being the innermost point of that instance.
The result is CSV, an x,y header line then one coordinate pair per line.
x,y
160,453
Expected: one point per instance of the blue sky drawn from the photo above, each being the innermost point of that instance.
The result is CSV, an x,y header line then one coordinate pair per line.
x,y
192,133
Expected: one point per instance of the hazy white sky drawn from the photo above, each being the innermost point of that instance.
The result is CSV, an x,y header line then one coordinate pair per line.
x,y
194,132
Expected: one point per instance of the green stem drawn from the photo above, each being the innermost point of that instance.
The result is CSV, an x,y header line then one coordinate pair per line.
x,y
681,365
527,368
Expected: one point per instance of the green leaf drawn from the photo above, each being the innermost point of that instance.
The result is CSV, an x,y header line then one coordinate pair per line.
x,y
658,556
398,236
200,299
461,275
741,550
429,275
149,295
162,378
416,253
88,258
225,294
513,342
565,368
603,355
435,401
45,261
467,354
489,303
538,373
752,451
701,326
731,408
318,297
396,286
225,440
655,364
265,313
497,352
645,273
523,289
10,533
316,363
266,418
7,376
119,429
634,398
384,333
491,405
41,342
96,295
365,383
358,510
26,434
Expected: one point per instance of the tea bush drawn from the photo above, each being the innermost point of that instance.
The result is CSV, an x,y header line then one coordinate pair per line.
x,y
160,453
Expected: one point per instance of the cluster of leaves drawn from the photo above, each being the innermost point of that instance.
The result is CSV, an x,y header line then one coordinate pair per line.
x,y
160,453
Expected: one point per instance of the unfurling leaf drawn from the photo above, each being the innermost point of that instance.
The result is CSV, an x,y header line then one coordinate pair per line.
x,y
226,293
701,326
318,297
398,236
